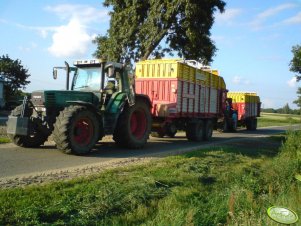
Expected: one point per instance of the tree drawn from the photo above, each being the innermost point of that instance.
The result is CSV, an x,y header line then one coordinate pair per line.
x,y
286,109
298,101
295,64
141,28
13,74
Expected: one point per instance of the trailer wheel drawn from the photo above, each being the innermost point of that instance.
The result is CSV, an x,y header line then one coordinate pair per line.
x,y
76,130
251,124
171,129
34,139
248,124
194,131
254,124
208,130
133,126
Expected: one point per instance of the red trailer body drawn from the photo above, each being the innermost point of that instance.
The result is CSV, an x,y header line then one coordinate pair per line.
x,y
183,96
176,98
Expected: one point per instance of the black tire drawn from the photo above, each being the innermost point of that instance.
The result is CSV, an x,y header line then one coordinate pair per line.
x,y
208,130
171,130
248,124
251,124
35,138
194,131
133,126
76,130
254,124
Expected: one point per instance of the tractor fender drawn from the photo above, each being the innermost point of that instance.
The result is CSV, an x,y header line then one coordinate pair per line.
x,y
138,97
144,98
83,103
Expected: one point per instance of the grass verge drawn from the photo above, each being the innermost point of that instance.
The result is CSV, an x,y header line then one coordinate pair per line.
x,y
228,185
270,119
4,139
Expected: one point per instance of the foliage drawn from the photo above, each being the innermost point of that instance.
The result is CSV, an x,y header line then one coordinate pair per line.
x,y
298,101
14,75
286,109
295,64
229,185
140,28
283,110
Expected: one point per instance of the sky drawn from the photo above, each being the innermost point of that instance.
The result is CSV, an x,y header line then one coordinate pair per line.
x,y
254,41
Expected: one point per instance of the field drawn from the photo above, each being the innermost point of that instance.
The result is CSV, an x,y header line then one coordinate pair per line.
x,y
227,185
273,119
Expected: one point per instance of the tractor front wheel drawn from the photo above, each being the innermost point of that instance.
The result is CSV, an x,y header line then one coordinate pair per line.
x,y
76,130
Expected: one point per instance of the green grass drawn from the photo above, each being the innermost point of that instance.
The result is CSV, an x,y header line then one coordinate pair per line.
x,y
4,139
232,185
271,119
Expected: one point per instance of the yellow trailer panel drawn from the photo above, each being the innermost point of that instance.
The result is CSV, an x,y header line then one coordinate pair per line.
x,y
177,68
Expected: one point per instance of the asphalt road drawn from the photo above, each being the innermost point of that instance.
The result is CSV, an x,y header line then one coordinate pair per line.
x,y
16,161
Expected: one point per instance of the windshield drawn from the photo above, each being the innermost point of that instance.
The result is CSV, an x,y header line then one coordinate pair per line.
x,y
87,79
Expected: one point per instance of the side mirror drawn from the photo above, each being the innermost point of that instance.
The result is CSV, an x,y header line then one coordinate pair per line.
x,y
54,73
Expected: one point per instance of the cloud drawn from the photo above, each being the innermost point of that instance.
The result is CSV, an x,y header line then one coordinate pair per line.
x,y
83,13
257,23
275,10
292,82
75,37
293,20
238,80
228,16
70,40
42,31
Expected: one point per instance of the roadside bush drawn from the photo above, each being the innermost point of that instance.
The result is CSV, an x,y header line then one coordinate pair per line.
x,y
270,183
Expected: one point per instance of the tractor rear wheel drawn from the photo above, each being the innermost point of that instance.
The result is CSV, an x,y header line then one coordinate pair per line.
x,y
76,130
194,131
35,138
133,126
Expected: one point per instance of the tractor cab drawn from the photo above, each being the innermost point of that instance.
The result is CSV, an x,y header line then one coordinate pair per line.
x,y
100,77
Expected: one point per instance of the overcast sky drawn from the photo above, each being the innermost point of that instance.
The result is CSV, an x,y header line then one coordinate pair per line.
x,y
254,40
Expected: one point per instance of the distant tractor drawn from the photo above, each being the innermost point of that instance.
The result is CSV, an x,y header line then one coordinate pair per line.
x,y
101,101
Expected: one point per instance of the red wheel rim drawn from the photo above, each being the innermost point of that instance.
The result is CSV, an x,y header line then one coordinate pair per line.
x,y
83,131
138,123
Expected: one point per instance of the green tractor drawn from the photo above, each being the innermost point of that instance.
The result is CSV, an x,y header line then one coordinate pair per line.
x,y
101,101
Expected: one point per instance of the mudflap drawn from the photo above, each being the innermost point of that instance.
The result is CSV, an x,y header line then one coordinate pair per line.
x,y
17,125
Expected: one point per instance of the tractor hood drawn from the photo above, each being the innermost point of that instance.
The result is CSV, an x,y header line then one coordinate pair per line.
x,y
60,98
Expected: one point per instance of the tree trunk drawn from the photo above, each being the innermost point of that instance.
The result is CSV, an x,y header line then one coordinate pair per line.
x,y
154,44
